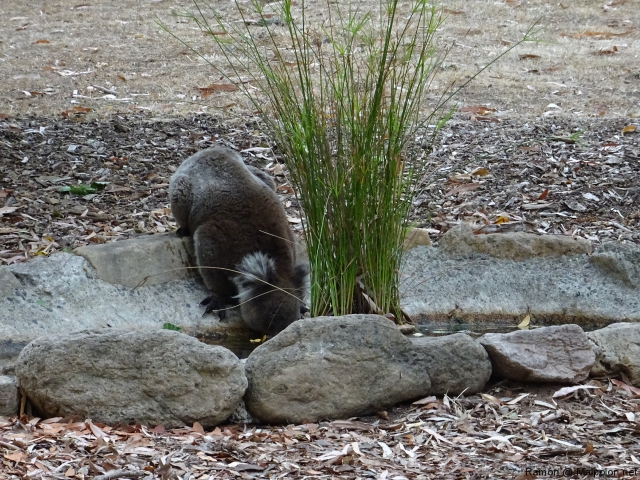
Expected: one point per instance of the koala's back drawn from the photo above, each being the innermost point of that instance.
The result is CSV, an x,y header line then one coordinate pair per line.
x,y
231,213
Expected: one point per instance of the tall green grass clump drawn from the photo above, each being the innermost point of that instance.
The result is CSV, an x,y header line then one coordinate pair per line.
x,y
342,100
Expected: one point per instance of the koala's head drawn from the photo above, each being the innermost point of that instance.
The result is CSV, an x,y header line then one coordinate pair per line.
x,y
270,302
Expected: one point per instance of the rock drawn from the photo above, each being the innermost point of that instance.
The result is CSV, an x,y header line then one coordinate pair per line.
x,y
241,415
8,396
560,354
9,351
61,294
56,275
122,376
8,282
415,237
151,260
407,329
333,367
460,241
436,286
620,260
456,363
339,367
617,350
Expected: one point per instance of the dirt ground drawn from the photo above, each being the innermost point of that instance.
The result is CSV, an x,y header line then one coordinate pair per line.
x,y
64,53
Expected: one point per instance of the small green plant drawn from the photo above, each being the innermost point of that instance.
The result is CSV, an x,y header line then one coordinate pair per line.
x,y
83,188
171,326
342,100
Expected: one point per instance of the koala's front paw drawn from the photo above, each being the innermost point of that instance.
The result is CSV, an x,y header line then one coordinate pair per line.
x,y
183,232
213,304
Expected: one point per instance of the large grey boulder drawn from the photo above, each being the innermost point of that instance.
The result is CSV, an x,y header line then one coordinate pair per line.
x,y
149,260
338,367
114,376
617,350
8,396
460,240
62,293
560,354
456,363
620,260
8,282
332,367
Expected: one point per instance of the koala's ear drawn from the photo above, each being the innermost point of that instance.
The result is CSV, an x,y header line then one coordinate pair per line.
x,y
301,274
301,271
256,271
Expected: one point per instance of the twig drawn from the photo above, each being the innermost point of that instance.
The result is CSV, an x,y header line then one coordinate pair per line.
x,y
121,473
105,90
8,445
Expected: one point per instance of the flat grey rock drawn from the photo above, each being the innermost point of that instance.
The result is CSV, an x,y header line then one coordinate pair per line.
x,y
62,293
559,354
436,286
460,240
148,260
8,396
617,349
620,260
120,376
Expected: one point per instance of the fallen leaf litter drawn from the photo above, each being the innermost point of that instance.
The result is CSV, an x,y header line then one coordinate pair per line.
x,y
544,176
581,431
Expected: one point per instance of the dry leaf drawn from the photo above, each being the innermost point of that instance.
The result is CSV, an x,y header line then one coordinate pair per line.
x,y
606,51
631,390
501,219
525,322
536,206
77,110
597,35
217,87
544,194
491,399
478,110
197,428
466,187
563,392
4,210
629,129
483,172
426,400
40,42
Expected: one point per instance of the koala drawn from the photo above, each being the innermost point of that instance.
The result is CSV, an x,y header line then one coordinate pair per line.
x,y
239,227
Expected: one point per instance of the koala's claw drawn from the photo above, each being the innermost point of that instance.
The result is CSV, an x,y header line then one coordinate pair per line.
x,y
212,304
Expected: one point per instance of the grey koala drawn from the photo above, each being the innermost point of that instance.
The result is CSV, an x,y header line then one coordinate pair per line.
x,y
239,224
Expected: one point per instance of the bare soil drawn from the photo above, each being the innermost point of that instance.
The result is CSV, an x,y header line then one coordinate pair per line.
x,y
587,62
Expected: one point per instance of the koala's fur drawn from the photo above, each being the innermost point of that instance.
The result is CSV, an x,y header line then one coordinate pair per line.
x,y
238,223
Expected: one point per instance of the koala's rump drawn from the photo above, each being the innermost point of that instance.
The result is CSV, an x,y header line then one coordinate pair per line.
x,y
235,226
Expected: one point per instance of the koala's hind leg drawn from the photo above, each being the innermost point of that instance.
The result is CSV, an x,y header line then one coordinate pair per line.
x,y
181,202
210,259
